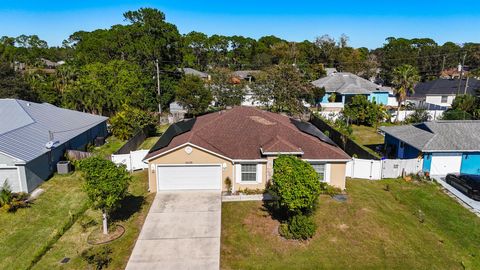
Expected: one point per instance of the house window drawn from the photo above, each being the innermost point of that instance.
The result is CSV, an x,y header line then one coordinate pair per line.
x,y
320,169
444,99
249,172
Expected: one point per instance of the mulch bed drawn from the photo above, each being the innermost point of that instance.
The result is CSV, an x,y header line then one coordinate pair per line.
x,y
97,237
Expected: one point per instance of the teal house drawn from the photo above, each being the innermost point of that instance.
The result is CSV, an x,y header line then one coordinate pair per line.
x,y
344,86
445,146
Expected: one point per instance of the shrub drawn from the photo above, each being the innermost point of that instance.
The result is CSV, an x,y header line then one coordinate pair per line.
x,y
301,227
329,190
284,231
251,191
98,257
228,183
10,201
362,111
295,185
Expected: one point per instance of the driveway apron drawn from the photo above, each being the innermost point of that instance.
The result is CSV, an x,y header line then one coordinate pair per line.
x,y
181,231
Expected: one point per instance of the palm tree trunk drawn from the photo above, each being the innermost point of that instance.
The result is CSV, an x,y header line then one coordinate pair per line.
x,y
398,111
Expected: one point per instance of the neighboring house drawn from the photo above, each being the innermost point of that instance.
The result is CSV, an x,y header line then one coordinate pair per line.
x,y
345,86
445,146
194,72
34,137
50,64
177,112
442,91
239,144
248,76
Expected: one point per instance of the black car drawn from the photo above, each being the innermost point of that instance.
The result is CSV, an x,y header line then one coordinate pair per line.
x,y
468,184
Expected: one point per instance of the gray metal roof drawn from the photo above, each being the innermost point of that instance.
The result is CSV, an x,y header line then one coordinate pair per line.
x,y
461,135
25,126
191,71
348,83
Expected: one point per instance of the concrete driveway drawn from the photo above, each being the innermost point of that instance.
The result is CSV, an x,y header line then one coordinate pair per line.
x,y
181,231
467,202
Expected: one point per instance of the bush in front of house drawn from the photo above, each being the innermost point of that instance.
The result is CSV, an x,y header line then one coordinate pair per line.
x,y
301,227
295,188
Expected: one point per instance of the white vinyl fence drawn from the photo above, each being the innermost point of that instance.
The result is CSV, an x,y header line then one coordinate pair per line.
x,y
379,169
433,115
133,161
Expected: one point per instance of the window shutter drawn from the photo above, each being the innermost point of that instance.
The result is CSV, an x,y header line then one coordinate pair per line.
x,y
238,173
259,173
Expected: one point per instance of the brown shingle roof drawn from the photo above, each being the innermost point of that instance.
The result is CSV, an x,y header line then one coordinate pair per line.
x,y
241,132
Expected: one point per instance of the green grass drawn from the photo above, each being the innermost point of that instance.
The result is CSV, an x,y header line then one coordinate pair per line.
x,y
132,216
374,229
112,145
366,135
25,232
148,143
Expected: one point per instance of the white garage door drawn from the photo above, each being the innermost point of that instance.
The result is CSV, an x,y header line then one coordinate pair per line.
x,y
444,163
185,177
11,176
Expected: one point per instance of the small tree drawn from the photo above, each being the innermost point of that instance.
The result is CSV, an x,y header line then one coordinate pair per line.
x,y
129,120
105,184
295,184
364,112
225,92
193,95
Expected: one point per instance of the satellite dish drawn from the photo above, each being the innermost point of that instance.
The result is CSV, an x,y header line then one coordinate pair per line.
x,y
51,144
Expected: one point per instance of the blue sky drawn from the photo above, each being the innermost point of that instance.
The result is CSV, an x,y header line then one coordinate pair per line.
x,y
367,23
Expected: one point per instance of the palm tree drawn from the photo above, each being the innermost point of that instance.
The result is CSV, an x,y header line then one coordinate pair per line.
x,y
405,77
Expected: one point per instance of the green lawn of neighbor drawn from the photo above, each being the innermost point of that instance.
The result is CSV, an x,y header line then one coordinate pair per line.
x,y
74,241
365,135
377,228
111,146
24,233
148,143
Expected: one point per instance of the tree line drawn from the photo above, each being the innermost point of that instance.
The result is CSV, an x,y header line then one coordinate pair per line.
x,y
108,69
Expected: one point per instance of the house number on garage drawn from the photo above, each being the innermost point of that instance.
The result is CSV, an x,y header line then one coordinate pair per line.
x,y
188,150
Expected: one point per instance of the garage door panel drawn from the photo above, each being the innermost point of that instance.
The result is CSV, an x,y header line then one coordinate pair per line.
x,y
189,177
445,163
11,176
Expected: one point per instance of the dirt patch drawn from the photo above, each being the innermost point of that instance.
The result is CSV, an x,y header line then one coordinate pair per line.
x,y
262,224
343,227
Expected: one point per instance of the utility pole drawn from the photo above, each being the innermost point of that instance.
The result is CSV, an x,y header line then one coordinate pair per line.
x,y
460,69
443,64
158,91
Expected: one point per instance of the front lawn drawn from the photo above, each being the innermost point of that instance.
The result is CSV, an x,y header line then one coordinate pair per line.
x,y
388,224
24,233
131,216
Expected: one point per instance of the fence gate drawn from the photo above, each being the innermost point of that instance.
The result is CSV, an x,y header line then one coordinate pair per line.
x,y
133,161
393,168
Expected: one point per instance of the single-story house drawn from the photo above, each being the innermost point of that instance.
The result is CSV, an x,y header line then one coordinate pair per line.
x,y
444,146
239,145
442,91
34,137
191,71
346,85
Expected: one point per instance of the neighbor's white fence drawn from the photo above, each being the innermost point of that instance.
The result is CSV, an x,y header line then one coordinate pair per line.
x,y
434,115
133,161
379,169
